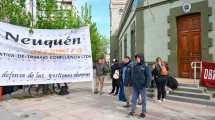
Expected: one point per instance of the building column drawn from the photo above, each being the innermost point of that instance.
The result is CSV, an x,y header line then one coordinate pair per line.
x,y
114,48
139,31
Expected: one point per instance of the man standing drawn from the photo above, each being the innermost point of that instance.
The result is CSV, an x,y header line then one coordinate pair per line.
x,y
126,79
141,79
101,70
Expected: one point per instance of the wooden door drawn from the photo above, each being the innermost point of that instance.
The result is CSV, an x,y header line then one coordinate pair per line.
x,y
189,43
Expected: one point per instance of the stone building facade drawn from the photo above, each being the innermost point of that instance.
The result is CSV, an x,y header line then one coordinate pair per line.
x,y
116,12
178,31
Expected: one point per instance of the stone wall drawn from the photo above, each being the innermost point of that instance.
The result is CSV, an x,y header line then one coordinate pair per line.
x,y
211,4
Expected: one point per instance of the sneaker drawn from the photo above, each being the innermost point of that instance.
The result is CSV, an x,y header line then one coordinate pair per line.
x,y
142,115
163,99
131,113
159,101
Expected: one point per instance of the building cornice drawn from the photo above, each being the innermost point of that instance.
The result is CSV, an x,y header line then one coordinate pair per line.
x,y
125,16
139,8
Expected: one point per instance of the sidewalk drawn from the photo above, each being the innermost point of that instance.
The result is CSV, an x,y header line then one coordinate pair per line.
x,y
6,115
81,104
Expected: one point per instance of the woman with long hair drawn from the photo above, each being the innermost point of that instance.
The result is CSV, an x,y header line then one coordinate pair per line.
x,y
160,77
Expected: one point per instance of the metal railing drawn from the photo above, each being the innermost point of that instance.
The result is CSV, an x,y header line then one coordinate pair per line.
x,y
196,65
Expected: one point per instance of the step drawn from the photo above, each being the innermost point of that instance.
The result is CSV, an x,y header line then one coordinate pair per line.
x,y
192,95
151,89
211,91
191,100
190,89
187,85
186,80
149,94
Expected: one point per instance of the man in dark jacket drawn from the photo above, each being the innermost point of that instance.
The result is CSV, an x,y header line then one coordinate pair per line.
x,y
140,80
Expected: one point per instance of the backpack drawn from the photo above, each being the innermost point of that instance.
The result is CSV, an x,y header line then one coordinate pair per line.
x,y
116,74
163,70
172,83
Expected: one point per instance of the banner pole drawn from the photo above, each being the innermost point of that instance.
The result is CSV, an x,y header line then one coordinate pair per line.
x,y
33,12
93,83
93,86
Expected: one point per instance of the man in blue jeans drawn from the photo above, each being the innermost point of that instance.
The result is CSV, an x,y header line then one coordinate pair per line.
x,y
140,75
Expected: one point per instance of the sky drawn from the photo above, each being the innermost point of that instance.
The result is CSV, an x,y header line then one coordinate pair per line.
x,y
100,14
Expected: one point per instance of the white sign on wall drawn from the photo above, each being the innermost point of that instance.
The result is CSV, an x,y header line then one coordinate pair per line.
x,y
46,56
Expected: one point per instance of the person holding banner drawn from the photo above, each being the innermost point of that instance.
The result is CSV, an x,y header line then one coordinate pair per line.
x,y
101,72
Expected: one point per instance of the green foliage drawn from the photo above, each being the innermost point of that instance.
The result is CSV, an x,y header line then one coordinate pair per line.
x,y
99,42
14,11
50,16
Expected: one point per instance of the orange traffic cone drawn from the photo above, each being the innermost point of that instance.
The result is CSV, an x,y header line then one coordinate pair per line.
x,y
1,93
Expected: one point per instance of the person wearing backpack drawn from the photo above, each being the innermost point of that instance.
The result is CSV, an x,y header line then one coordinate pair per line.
x,y
140,80
161,76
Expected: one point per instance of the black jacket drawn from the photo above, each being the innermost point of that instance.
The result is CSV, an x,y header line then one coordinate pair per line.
x,y
141,74
115,66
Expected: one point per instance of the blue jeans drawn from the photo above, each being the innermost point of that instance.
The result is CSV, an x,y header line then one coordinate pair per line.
x,y
135,95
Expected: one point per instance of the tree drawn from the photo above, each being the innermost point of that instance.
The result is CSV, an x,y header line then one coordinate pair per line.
x,y
13,12
99,42
50,16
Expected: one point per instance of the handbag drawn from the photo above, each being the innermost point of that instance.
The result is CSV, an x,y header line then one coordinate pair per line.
x,y
116,74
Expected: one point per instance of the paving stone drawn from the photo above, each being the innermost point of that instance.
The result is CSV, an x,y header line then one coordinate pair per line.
x,y
83,105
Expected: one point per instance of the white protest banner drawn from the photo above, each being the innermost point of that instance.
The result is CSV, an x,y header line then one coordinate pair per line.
x,y
44,56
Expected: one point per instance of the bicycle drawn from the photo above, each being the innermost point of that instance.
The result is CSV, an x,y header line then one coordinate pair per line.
x,y
45,89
